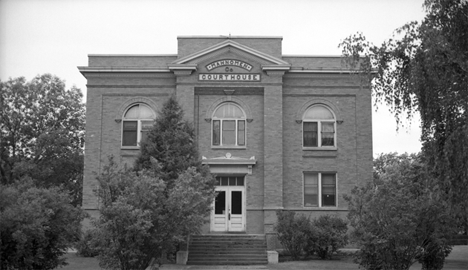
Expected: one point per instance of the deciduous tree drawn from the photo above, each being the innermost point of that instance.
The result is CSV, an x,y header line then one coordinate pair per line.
x,y
42,133
37,226
424,69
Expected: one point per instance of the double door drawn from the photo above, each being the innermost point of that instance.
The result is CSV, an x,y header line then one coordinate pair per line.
x,y
228,212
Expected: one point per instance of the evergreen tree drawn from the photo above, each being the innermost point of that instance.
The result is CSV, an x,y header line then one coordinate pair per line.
x,y
170,144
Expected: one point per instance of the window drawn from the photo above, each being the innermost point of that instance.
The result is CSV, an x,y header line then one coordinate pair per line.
x,y
228,126
319,127
229,181
319,189
137,121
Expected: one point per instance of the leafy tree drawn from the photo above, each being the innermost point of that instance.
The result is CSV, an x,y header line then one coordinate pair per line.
x,y
171,142
141,219
424,69
42,133
400,219
37,225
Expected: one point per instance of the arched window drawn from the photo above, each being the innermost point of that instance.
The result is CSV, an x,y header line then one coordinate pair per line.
x,y
228,125
137,121
319,126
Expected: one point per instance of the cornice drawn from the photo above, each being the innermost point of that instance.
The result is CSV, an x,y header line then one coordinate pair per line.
x,y
84,70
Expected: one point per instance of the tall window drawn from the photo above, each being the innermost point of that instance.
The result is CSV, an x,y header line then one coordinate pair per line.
x,y
319,189
228,126
319,126
137,121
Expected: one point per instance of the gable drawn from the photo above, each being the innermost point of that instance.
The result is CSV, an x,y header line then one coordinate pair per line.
x,y
227,46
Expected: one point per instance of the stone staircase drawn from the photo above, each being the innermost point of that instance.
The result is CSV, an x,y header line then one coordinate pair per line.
x,y
227,249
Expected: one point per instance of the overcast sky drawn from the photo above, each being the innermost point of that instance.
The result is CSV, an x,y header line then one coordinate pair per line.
x,y
55,36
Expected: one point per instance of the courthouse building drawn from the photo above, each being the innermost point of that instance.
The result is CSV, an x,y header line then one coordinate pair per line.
x,y
278,131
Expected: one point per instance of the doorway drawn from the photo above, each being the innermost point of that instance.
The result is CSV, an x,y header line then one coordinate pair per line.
x,y
228,211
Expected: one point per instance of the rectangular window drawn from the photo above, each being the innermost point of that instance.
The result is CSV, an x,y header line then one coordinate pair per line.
x,y
311,189
319,189
328,189
229,180
241,132
216,129
310,134
229,132
328,134
145,128
129,133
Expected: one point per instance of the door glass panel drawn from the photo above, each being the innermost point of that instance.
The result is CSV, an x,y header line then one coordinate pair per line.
x,y
232,181
220,202
240,181
236,202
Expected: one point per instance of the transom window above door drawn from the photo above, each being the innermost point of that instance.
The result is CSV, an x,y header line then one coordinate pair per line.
x,y
228,126
137,121
229,180
319,128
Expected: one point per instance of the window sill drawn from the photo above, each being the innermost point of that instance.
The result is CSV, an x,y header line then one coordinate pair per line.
x,y
323,148
130,147
229,147
319,152
325,208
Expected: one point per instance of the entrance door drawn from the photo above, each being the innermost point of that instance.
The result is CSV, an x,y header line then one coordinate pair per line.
x,y
228,214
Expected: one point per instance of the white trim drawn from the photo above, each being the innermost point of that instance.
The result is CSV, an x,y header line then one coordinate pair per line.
x,y
319,128
331,71
319,190
228,200
123,69
132,55
229,37
221,120
139,125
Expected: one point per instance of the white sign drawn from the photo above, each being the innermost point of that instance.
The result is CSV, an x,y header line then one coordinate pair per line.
x,y
229,62
241,77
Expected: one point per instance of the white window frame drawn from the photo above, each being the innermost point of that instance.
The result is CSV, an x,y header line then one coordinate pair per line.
x,y
319,195
221,122
319,129
139,126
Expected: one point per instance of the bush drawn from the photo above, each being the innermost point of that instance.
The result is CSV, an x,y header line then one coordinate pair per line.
x,y
293,232
86,246
142,219
330,235
37,225
397,224
298,235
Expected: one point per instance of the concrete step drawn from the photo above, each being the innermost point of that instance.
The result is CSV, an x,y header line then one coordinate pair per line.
x,y
227,250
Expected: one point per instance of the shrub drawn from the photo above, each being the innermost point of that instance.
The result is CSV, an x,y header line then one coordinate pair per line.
x,y
142,219
330,235
37,225
293,232
86,246
397,224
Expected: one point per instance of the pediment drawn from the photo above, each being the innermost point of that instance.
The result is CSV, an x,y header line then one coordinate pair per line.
x,y
229,50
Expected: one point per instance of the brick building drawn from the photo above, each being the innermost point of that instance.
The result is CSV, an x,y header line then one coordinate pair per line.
x,y
279,131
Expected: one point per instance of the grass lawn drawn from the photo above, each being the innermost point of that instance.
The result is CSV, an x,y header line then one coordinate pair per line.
x,y
457,260
80,263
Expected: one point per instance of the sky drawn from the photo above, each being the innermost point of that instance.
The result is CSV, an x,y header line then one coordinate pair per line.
x,y
56,36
